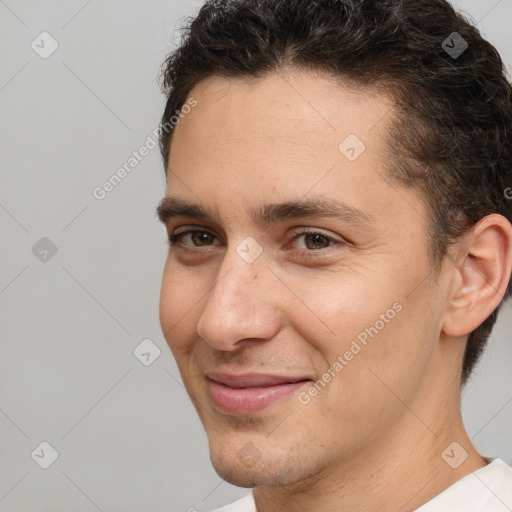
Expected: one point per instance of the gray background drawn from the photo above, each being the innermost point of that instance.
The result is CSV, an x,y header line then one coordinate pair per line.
x,y
126,435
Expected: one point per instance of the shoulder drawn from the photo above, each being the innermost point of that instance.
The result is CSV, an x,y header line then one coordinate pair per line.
x,y
489,488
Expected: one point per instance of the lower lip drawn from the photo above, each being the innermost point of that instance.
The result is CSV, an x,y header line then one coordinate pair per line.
x,y
248,400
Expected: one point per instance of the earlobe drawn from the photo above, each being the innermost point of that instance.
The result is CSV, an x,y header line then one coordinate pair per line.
x,y
482,274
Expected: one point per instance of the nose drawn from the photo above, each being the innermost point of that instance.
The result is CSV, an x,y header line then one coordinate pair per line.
x,y
240,305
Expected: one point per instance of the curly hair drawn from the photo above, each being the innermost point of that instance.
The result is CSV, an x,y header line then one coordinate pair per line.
x,y
452,134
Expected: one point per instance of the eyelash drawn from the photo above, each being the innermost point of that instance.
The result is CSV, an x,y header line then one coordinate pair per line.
x,y
301,253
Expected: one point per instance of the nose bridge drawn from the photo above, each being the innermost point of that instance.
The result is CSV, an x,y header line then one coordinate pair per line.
x,y
239,304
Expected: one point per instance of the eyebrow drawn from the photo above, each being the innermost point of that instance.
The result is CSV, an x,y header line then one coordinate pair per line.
x,y
270,213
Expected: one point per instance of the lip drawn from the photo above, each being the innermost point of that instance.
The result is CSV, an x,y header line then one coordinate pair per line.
x,y
250,392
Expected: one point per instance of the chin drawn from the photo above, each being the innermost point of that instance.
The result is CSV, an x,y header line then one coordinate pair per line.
x,y
245,466
243,476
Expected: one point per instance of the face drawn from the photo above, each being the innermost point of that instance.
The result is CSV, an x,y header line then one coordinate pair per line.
x,y
291,324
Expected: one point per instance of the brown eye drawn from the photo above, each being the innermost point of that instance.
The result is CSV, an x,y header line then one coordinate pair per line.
x,y
310,240
316,241
197,238
201,238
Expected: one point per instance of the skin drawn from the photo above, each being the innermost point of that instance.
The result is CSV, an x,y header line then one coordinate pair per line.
x,y
388,415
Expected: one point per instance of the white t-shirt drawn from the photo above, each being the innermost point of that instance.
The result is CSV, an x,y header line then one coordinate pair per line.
x,y
488,489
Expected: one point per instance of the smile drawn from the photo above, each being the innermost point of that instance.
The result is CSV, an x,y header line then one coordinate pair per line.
x,y
249,393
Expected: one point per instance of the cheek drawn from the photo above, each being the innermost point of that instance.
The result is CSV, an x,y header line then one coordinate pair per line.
x,y
381,358
387,347
371,321
179,302
342,308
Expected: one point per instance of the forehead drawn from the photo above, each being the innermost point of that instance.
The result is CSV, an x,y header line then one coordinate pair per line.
x,y
288,104
286,134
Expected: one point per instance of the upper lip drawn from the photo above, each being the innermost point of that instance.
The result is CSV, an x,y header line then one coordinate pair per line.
x,y
246,380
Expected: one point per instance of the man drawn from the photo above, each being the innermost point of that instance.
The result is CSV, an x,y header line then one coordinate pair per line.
x,y
340,245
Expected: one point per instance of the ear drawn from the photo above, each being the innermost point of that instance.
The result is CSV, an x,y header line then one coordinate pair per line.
x,y
481,275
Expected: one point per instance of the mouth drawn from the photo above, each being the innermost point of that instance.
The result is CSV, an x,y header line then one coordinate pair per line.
x,y
250,392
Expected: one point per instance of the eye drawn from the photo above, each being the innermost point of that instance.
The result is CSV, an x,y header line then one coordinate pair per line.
x,y
197,237
313,240
309,241
305,244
